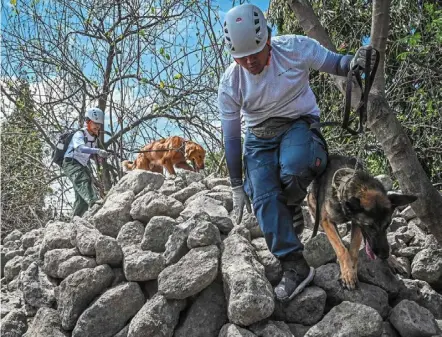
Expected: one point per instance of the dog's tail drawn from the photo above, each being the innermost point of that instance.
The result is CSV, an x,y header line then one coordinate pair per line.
x,y
127,165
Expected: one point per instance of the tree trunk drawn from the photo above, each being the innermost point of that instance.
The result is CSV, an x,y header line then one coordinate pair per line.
x,y
381,119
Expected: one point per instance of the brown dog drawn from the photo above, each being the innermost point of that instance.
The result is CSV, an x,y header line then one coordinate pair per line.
x,y
169,153
347,193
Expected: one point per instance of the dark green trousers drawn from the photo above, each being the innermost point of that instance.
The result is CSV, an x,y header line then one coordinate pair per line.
x,y
81,179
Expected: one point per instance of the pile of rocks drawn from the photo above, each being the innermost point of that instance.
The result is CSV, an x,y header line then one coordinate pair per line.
x,y
162,257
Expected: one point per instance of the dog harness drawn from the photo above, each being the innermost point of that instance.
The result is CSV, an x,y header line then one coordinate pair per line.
x,y
341,180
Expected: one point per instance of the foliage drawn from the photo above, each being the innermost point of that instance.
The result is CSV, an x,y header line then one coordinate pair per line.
x,y
413,73
23,187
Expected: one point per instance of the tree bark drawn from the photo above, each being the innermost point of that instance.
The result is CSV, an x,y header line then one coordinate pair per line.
x,y
381,119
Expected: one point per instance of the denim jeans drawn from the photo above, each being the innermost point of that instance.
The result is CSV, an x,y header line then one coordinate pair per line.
x,y
278,172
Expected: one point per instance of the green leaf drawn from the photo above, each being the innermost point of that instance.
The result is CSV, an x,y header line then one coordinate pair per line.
x,y
167,56
178,76
162,85
161,51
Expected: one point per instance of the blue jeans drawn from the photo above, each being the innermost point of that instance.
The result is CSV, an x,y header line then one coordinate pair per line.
x,y
278,172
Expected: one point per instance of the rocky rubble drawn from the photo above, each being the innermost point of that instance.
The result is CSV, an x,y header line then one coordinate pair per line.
x,y
162,258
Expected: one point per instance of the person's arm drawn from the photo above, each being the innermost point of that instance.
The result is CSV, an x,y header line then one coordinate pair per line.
x,y
231,126
80,145
320,58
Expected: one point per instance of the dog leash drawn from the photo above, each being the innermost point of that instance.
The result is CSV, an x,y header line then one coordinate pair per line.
x,y
178,149
361,109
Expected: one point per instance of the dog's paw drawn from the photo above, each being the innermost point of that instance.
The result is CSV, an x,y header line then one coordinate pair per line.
x,y
349,276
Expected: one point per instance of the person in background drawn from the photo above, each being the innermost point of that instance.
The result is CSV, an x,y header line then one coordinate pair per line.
x,y
268,83
75,163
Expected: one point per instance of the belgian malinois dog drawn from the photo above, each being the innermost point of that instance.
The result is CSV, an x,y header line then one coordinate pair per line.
x,y
345,192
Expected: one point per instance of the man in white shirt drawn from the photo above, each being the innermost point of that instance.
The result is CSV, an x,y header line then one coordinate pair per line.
x,y
269,85
76,159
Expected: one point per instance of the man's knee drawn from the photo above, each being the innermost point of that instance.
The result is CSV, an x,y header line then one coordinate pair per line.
x,y
295,187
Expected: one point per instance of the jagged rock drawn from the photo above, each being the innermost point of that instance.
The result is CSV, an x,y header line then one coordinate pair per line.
x,y
194,272
195,197
86,238
348,320
102,319
131,234
13,268
412,320
205,234
431,242
248,292
328,278
419,235
212,182
388,330
38,290
272,265
318,251
58,235
114,214
225,198
306,308
10,301
142,265
137,181
74,264
421,293
206,315
108,251
241,230
385,181
298,330
408,213
189,224
157,318
13,253
249,221
15,235
217,213
78,290
171,186
14,324
222,188
153,204
157,233
232,330
176,247
271,329
185,193
408,252
32,254
397,223
427,266
32,237
54,258
378,273
190,177
46,323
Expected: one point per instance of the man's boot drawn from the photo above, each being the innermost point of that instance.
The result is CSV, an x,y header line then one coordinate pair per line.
x,y
297,274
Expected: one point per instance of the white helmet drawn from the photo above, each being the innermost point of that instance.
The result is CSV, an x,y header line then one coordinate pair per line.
x,y
95,115
245,30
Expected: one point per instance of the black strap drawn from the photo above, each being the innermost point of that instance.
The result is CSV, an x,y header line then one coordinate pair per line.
x,y
361,110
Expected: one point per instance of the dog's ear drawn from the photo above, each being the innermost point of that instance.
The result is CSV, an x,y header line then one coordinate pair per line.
x,y
397,199
353,205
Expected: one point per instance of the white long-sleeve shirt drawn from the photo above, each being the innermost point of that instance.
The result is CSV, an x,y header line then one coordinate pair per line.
x,y
281,90
81,138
